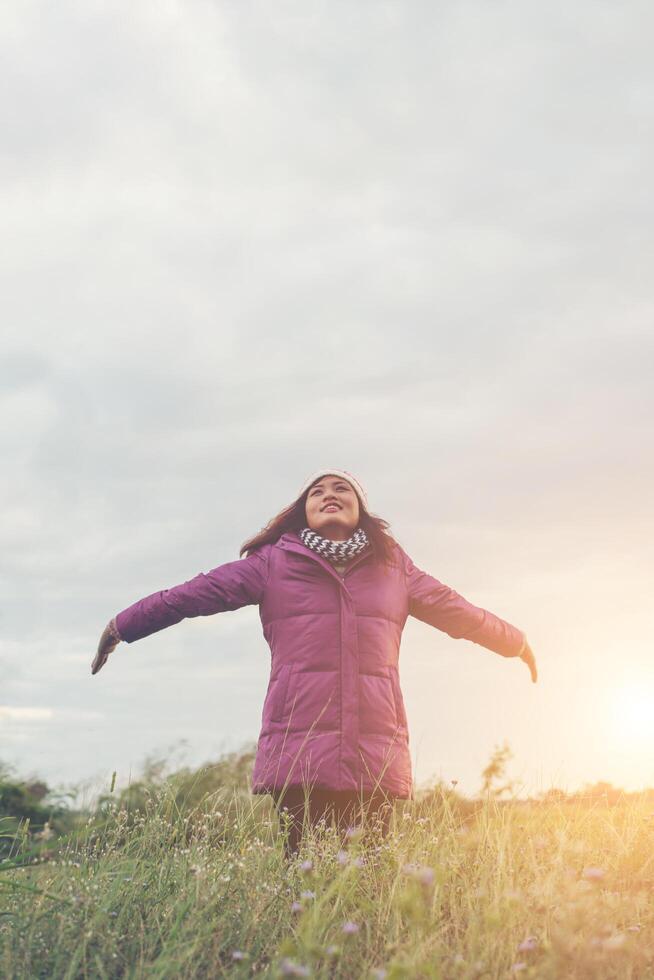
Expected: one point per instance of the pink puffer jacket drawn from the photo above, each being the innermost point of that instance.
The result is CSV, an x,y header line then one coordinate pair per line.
x,y
333,715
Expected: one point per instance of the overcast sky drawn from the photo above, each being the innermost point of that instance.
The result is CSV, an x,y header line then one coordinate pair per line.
x,y
244,241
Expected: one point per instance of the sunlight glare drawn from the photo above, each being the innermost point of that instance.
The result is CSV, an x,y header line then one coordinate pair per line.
x,y
634,713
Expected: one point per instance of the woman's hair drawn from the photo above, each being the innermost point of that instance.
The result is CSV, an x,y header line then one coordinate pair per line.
x,y
294,518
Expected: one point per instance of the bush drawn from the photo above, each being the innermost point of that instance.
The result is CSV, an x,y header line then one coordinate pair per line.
x,y
26,809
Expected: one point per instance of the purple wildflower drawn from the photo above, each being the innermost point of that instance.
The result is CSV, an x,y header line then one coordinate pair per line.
x,y
289,968
350,928
424,874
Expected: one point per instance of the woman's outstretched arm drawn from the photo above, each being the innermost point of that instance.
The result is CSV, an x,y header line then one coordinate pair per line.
x,y
227,587
438,605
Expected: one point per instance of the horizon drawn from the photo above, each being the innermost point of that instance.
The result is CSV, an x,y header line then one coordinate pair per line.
x,y
506,791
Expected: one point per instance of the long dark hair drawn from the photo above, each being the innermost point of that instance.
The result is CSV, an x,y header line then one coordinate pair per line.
x,y
294,518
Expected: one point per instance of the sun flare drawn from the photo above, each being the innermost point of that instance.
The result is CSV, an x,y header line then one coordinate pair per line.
x,y
634,712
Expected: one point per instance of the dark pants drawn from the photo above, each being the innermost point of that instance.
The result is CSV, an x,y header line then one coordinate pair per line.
x,y
343,809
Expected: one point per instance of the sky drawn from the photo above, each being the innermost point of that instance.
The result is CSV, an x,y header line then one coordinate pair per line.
x,y
245,241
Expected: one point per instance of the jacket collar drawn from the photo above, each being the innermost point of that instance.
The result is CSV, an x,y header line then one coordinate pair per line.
x,y
291,541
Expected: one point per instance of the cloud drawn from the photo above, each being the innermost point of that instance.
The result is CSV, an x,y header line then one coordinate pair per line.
x,y
25,714
39,714
409,239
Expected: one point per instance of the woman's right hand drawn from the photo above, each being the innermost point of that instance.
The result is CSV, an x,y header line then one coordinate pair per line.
x,y
108,642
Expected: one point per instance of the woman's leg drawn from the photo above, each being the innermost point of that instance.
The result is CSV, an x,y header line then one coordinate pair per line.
x,y
302,806
290,808
299,806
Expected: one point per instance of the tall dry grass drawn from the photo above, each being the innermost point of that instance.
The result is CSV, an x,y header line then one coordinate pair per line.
x,y
185,877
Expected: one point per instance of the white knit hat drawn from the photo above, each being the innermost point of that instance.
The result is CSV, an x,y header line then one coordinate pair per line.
x,y
352,480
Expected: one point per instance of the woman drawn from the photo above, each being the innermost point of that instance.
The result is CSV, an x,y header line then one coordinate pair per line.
x,y
334,591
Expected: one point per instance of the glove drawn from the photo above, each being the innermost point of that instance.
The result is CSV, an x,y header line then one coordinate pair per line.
x,y
108,641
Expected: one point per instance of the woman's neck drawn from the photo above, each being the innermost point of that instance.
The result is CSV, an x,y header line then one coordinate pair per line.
x,y
335,532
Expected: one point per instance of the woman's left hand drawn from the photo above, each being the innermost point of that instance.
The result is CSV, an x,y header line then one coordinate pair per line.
x,y
528,656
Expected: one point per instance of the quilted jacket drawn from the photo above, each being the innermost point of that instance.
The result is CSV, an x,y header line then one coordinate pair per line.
x,y
333,716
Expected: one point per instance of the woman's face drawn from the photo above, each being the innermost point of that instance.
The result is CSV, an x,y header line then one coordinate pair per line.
x,y
332,508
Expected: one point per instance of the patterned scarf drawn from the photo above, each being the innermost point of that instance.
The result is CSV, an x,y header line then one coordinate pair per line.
x,y
335,551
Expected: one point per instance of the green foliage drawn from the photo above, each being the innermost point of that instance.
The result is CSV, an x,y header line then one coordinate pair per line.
x,y
228,777
27,810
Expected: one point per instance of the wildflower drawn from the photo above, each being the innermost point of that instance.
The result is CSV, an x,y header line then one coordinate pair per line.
x,y
238,955
350,928
296,907
380,973
358,862
289,968
306,866
342,858
426,876
353,833
307,895
454,782
528,945
593,874
423,874
46,833
332,950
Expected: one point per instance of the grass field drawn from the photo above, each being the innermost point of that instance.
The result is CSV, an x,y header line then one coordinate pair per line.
x,y
185,877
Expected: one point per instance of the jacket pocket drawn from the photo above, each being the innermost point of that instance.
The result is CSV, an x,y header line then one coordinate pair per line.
x,y
400,713
280,693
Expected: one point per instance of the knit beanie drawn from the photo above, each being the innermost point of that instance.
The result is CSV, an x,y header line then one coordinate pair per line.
x,y
352,480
